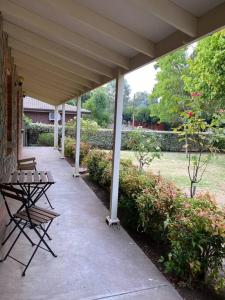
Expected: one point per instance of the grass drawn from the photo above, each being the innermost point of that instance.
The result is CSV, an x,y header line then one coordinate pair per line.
x,y
173,166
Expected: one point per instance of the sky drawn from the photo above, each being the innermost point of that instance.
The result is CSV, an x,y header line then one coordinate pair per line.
x,y
143,79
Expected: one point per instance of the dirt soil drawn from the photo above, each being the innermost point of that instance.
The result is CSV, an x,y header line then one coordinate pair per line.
x,y
154,252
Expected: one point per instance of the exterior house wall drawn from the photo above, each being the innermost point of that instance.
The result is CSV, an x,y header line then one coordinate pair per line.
x,y
10,117
43,117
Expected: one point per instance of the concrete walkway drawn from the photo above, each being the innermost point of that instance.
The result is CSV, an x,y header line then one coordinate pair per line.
x,y
94,261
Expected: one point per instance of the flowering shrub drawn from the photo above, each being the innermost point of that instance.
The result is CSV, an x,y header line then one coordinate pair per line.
x,y
192,228
156,205
132,184
196,232
70,149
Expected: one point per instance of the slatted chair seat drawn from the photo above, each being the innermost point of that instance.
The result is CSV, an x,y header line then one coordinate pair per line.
x,y
38,215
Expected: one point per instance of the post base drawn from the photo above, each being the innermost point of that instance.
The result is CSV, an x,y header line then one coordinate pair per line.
x,y
111,222
76,175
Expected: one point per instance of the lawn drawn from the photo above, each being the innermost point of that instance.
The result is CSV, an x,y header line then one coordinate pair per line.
x,y
173,166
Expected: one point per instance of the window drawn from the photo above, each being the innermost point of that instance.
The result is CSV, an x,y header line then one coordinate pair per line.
x,y
51,116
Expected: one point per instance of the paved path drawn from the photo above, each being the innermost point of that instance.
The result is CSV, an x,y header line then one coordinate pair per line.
x,y
94,261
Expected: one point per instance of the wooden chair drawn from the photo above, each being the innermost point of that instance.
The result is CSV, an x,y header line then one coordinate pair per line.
x,y
33,218
30,164
26,164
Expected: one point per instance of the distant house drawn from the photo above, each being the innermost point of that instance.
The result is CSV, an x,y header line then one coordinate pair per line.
x,y
41,112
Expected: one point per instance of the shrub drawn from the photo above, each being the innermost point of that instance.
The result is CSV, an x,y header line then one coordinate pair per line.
x,y
132,184
192,228
88,128
70,149
155,205
46,139
220,144
96,161
197,236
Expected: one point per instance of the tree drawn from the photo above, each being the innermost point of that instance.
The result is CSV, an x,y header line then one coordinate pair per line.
x,y
207,73
168,96
146,148
141,99
201,136
98,104
72,102
110,87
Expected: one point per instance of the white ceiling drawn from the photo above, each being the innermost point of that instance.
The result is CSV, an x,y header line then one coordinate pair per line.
x,y
73,46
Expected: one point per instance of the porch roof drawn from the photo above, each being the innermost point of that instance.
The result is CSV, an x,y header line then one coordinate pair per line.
x,y
31,104
63,49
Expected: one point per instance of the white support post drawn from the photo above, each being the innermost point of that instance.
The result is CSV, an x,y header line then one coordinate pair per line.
x,y
56,127
77,154
112,218
63,129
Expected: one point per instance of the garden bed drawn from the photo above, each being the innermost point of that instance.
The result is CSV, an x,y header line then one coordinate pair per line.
x,y
154,251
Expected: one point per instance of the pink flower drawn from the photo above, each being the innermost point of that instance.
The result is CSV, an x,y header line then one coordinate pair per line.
x,y
190,114
196,94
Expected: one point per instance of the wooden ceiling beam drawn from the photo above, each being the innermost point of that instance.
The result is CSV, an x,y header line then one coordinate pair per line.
x,y
47,28
57,49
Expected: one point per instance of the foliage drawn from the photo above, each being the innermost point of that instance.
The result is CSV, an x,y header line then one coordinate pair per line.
x,y
88,128
46,139
197,235
143,115
193,229
202,135
155,205
145,148
98,104
139,109
70,149
72,102
110,88
27,120
168,97
207,72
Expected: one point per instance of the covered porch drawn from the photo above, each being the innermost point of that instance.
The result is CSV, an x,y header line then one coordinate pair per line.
x,y
94,261
55,51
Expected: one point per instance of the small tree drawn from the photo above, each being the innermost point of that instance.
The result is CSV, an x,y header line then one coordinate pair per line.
x,y
146,148
201,137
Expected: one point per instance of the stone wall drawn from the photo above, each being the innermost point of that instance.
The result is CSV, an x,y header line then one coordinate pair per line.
x,y
10,116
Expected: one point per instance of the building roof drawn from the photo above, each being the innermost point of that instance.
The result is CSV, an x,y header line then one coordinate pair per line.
x,y
31,104
64,49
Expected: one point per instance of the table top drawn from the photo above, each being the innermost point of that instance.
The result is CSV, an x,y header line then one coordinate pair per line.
x,y
31,177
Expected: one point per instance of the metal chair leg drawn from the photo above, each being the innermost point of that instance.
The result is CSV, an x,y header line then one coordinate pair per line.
x,y
48,200
13,244
38,245
17,224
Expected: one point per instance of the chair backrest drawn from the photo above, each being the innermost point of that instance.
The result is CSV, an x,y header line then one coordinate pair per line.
x,y
12,193
26,160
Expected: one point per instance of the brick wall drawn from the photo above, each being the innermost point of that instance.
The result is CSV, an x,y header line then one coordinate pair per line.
x,y
10,117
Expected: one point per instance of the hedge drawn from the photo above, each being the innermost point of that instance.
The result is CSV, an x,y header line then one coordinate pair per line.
x,y
192,229
103,138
